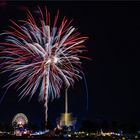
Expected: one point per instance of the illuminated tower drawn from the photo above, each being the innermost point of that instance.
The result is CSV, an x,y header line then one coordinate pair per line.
x,y
66,119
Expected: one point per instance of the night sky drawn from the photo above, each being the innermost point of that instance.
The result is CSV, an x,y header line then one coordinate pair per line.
x,y
112,75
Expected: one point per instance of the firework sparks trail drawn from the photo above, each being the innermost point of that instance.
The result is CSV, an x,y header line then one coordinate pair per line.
x,y
42,55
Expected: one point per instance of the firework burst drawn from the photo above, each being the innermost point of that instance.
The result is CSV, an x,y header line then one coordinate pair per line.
x,y
42,55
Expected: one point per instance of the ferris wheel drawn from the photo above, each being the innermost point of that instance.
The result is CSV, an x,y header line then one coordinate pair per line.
x,y
19,120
